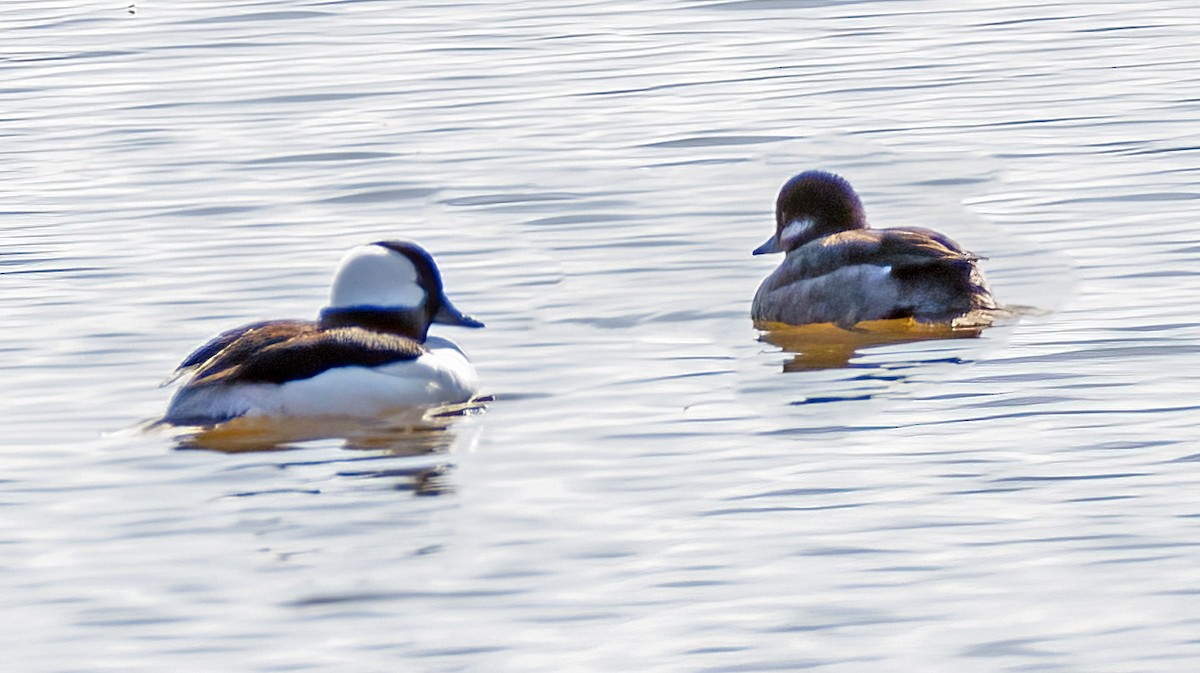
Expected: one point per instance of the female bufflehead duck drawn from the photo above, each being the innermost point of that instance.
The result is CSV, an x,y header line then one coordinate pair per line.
x,y
368,352
838,270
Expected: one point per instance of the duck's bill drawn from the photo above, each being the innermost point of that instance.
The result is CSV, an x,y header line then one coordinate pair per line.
x,y
772,245
449,315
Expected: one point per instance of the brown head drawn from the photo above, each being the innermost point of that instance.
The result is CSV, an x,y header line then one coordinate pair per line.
x,y
812,205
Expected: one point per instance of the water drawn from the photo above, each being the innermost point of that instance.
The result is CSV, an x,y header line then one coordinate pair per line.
x,y
649,491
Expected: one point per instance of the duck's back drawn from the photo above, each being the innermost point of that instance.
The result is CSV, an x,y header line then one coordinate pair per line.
x,y
874,274
296,368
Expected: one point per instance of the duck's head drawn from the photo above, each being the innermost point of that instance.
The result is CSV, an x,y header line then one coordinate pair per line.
x,y
391,286
812,205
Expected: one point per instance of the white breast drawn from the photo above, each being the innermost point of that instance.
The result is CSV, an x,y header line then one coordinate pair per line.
x,y
439,377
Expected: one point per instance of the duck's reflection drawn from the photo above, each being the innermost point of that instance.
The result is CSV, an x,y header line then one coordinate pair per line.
x,y
245,435
827,346
403,434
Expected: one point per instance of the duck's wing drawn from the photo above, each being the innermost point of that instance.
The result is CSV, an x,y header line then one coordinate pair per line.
x,y
936,277
900,249
296,350
873,274
925,245
258,334
221,341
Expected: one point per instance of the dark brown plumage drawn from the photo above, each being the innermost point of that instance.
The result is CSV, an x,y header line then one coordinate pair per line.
x,y
292,350
838,270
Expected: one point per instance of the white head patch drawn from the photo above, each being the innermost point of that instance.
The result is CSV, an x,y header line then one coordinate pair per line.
x,y
796,229
372,275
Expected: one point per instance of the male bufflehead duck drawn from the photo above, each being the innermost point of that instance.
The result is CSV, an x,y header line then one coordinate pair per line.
x,y
368,352
839,270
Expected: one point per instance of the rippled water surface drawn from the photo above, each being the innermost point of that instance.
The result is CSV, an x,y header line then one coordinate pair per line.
x,y
650,490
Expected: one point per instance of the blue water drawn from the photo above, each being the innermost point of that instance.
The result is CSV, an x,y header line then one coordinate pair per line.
x,y
649,491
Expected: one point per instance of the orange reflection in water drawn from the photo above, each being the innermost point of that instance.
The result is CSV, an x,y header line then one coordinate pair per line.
x,y
407,432
827,346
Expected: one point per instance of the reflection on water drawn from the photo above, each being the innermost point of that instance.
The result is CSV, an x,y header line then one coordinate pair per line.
x,y
827,346
405,432
419,480
410,433
243,435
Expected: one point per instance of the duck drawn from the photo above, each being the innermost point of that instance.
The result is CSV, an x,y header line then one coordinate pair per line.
x,y
367,354
837,269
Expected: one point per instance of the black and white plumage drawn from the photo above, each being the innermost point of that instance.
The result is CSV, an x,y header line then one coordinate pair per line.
x,y
838,270
369,352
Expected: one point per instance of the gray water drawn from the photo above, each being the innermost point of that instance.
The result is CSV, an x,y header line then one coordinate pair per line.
x,y
649,491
